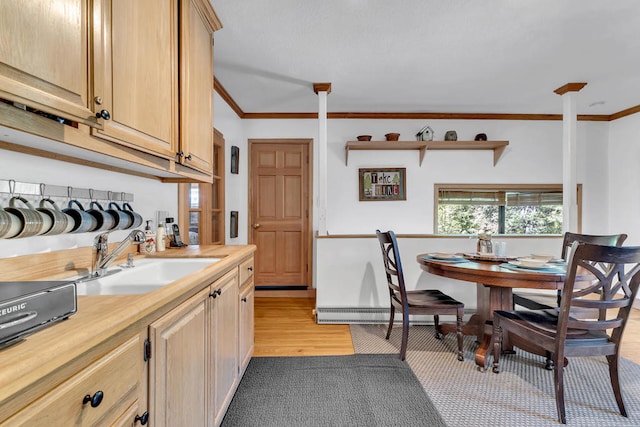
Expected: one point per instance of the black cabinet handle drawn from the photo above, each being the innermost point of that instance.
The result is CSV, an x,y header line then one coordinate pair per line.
x,y
104,114
188,157
180,154
215,293
250,268
244,299
144,418
95,400
219,291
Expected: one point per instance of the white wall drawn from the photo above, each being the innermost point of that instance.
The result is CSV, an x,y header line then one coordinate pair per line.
x,y
623,188
230,125
150,195
350,271
347,271
534,155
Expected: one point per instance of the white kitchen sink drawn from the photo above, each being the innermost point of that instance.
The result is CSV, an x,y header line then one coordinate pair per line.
x,y
147,275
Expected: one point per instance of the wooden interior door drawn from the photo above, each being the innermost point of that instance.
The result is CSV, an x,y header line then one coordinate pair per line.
x,y
279,205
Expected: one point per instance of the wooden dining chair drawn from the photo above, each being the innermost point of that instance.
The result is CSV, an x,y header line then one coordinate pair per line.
x,y
424,301
546,300
612,272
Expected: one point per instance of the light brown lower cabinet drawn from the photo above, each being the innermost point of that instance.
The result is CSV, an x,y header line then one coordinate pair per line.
x,y
246,315
199,350
224,345
194,368
108,392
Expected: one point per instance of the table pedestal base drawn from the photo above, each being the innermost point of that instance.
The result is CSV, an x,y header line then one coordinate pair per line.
x,y
480,324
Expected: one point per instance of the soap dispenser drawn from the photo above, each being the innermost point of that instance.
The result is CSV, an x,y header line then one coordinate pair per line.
x,y
149,245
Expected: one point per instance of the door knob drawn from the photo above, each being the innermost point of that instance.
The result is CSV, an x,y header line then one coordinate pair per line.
x,y
255,225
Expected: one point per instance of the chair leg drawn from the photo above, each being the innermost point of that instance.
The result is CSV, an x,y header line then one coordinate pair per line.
x,y
436,322
497,345
459,315
405,335
615,382
391,318
549,362
559,385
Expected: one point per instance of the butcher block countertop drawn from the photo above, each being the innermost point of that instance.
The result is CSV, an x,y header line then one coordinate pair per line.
x,y
46,358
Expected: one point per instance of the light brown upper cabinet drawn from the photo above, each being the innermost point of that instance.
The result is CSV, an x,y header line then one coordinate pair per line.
x,y
44,57
196,85
135,79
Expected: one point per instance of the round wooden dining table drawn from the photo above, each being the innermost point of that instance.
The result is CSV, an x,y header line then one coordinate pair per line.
x,y
494,289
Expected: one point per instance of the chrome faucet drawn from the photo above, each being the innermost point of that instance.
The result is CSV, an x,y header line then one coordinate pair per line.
x,y
101,254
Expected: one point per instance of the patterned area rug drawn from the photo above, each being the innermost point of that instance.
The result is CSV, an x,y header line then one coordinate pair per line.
x,y
522,394
326,391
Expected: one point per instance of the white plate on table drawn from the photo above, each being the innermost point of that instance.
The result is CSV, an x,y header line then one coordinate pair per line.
x,y
532,266
444,255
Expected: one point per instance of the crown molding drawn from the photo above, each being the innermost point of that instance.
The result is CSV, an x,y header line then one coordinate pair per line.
x,y
569,87
625,113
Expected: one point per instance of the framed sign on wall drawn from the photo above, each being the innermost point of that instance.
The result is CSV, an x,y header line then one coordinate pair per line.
x,y
382,184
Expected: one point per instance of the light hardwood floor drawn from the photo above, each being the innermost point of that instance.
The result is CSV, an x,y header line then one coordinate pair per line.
x,y
287,327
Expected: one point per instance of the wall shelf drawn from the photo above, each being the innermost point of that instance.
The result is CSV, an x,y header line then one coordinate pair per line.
x,y
422,146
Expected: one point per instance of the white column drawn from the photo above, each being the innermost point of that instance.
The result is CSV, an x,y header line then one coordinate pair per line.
x,y
569,179
322,89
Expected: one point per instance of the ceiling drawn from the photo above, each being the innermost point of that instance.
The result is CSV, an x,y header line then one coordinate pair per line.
x,y
444,56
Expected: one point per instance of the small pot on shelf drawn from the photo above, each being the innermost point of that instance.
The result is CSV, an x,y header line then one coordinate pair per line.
x,y
392,136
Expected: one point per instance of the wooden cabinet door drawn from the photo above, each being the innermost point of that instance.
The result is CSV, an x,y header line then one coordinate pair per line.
x,y
196,85
246,318
136,74
178,375
224,327
44,57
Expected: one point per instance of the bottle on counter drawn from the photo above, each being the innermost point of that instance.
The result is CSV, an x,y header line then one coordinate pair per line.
x,y
160,238
168,230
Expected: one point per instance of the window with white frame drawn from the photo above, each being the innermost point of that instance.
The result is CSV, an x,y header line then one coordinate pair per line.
x,y
499,209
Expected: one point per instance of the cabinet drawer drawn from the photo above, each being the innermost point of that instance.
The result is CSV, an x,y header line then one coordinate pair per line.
x,y
117,375
246,271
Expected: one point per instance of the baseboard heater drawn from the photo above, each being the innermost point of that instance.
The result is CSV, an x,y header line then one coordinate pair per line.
x,y
281,288
370,315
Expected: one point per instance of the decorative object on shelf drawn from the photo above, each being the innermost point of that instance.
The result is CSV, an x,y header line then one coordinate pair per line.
x,y
235,159
392,136
451,135
364,137
480,137
425,134
382,184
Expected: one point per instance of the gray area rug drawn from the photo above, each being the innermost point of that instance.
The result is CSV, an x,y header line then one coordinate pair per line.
x,y
358,390
522,394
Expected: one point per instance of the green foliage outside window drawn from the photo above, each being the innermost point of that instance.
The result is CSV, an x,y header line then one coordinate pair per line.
x,y
476,218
